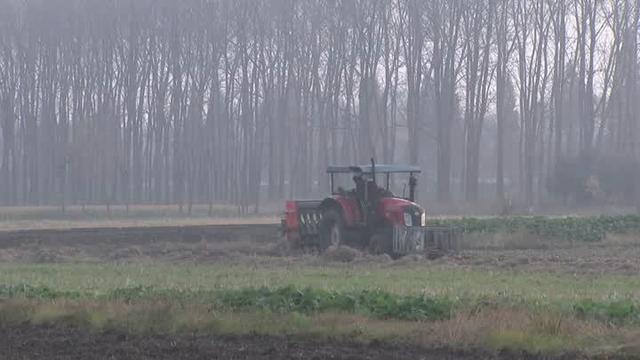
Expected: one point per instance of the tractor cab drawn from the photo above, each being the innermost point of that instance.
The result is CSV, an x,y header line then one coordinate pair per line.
x,y
371,175
371,184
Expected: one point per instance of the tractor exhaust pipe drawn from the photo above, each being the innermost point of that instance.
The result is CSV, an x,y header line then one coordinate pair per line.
x,y
373,170
413,183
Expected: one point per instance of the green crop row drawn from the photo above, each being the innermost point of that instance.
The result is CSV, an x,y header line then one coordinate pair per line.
x,y
590,229
615,311
287,300
284,300
375,303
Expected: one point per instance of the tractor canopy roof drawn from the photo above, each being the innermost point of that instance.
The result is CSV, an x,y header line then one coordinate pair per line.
x,y
380,169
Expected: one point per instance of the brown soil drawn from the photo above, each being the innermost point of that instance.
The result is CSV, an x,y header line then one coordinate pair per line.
x,y
51,343
236,243
172,243
583,259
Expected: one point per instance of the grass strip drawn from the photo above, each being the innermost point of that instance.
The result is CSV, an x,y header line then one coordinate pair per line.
x,y
588,229
411,279
497,329
374,303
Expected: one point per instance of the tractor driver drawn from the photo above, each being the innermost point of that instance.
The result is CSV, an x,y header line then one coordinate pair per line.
x,y
367,193
360,186
359,193
373,191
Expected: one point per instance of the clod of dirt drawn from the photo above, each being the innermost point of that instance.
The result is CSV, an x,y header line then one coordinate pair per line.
x,y
126,253
435,254
342,254
484,261
518,261
9,255
409,259
180,255
47,256
369,258
280,248
415,257
217,255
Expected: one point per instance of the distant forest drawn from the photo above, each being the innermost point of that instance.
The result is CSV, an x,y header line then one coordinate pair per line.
x,y
248,101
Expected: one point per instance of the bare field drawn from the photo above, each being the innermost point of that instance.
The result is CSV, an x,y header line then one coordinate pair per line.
x,y
86,217
13,220
127,223
46,342
212,257
238,244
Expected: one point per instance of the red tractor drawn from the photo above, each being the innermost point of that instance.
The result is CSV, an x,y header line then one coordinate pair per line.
x,y
367,216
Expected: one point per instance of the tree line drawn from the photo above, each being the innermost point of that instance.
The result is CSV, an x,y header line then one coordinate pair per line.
x,y
224,101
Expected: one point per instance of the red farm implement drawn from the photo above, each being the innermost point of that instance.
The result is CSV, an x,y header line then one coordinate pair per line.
x,y
368,216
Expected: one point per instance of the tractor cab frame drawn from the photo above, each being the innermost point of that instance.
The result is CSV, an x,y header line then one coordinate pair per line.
x,y
368,173
367,191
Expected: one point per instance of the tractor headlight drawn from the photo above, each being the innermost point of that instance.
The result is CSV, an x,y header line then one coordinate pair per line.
x,y
408,220
423,219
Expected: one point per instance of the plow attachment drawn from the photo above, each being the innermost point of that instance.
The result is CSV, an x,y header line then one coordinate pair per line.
x,y
433,241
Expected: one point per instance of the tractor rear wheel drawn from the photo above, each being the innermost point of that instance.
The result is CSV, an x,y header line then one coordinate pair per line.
x,y
332,230
381,242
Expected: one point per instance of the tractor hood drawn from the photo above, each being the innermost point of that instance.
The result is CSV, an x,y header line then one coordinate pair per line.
x,y
402,212
397,204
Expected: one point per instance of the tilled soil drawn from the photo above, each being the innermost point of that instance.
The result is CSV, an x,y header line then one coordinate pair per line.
x,y
237,243
170,243
52,343
582,259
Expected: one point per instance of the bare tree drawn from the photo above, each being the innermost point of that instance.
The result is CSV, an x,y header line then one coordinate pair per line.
x,y
478,27
203,101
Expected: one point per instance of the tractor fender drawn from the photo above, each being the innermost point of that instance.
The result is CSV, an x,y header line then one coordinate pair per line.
x,y
347,207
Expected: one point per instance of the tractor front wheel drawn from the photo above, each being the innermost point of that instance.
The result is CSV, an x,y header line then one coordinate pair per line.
x,y
332,230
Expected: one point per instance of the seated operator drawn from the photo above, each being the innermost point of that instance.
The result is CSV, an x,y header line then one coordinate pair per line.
x,y
360,186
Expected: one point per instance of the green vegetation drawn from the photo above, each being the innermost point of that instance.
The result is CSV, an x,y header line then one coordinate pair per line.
x,y
538,312
589,229
285,300
513,330
377,304
616,311
162,318
410,279
532,342
405,293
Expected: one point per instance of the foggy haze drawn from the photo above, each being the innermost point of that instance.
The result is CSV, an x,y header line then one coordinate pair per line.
x,y
247,102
